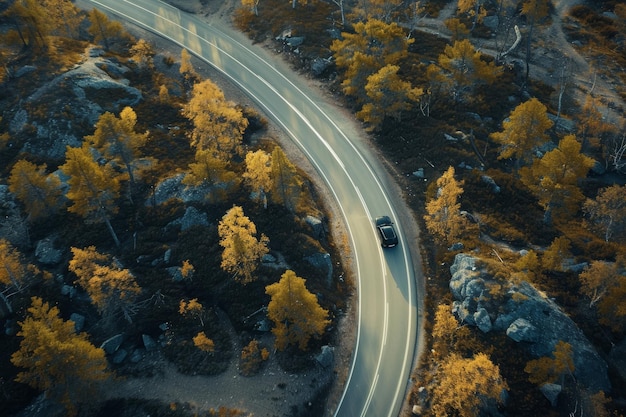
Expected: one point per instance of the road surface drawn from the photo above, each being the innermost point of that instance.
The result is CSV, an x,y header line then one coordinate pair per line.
x,y
387,313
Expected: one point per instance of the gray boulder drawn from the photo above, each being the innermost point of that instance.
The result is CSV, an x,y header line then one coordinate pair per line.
x,y
192,217
112,344
316,225
526,315
174,188
46,253
521,330
176,273
79,321
75,98
322,262
149,343
326,357
119,356
482,320
551,392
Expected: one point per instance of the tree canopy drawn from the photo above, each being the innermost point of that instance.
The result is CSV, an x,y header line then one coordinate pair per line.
x,y
39,192
117,140
94,188
373,45
112,289
218,124
466,384
57,360
242,249
555,178
443,213
525,129
295,312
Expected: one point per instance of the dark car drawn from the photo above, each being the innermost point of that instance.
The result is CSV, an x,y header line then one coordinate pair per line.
x,y
388,236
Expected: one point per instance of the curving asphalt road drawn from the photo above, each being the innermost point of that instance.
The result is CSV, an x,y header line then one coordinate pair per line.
x,y
387,313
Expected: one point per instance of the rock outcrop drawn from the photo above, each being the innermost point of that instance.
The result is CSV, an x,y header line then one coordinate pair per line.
x,y
526,315
75,98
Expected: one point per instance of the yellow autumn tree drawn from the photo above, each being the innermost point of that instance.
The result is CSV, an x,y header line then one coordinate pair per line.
x,y
555,178
387,95
142,53
607,212
597,279
551,369
218,124
295,312
104,30
524,130
474,9
444,331
93,187
463,69
286,181
556,254
211,170
612,305
117,140
373,45
112,289
39,192
192,308
202,342
443,219
30,24
64,17
57,360
592,126
252,5
242,249
258,174
465,385
15,273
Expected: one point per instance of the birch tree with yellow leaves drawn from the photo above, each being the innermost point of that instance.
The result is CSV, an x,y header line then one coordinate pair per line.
x,y
116,138
388,95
